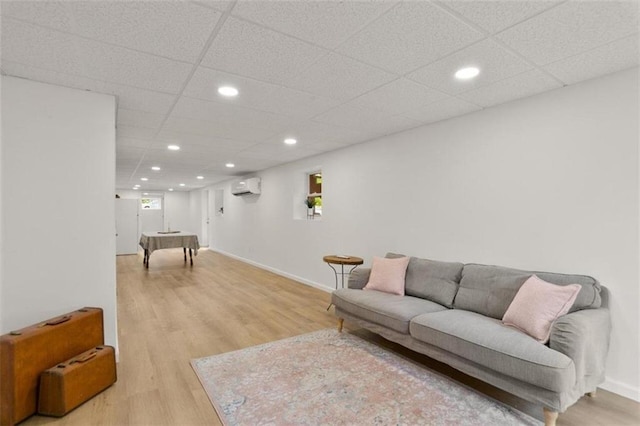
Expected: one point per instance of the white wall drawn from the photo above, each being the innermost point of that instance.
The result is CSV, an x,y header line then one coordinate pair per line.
x,y
58,173
176,211
545,183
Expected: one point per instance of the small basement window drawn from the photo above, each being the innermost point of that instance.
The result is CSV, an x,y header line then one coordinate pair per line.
x,y
314,195
151,203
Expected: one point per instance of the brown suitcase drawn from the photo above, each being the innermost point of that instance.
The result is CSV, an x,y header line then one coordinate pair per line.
x,y
26,353
70,383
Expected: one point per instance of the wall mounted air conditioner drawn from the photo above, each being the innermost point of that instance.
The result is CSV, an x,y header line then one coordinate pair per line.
x,y
246,186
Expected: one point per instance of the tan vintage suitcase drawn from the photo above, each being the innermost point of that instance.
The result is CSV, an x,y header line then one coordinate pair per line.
x,y
70,383
26,353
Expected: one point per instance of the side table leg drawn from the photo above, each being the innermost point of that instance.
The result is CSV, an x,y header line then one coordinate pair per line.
x,y
184,250
190,257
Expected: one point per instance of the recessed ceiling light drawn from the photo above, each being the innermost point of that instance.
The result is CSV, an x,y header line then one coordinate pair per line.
x,y
144,179
199,177
135,187
155,168
145,193
182,184
290,141
467,73
228,91
170,189
230,165
173,147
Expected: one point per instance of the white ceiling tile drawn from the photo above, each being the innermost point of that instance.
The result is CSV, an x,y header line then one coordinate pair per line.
x,y
176,30
572,28
32,45
127,97
520,86
129,153
139,99
220,130
134,132
294,103
252,51
615,56
132,142
326,23
497,15
52,14
358,118
166,137
338,77
310,133
495,63
205,83
128,117
226,114
123,66
441,110
398,96
410,35
220,5
28,44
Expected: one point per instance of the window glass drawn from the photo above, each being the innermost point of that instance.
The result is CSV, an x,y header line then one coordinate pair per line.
x,y
151,203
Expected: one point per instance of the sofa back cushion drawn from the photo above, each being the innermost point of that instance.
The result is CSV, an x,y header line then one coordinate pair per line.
x,y
432,280
489,290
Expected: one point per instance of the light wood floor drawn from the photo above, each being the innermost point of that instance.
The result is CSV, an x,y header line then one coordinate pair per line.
x,y
172,313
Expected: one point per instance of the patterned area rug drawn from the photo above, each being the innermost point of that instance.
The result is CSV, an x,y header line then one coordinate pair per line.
x,y
335,378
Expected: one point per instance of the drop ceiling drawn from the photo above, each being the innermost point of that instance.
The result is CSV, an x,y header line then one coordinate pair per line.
x,y
328,73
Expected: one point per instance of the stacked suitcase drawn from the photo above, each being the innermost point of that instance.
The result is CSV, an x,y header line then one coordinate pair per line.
x,y
54,366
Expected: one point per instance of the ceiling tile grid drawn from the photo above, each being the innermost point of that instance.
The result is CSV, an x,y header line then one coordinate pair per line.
x,y
522,85
571,28
328,73
412,34
495,64
252,51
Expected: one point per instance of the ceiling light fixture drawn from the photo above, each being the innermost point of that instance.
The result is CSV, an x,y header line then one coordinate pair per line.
x,y
228,91
173,147
144,179
181,184
290,141
155,168
145,193
136,188
230,165
170,189
199,177
467,73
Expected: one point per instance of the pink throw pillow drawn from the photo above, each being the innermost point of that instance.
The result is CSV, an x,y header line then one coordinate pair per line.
x,y
387,275
538,304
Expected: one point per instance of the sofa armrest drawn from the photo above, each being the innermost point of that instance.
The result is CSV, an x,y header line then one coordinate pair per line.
x,y
359,278
584,337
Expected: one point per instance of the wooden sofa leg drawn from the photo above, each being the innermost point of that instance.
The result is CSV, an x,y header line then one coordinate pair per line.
x,y
550,417
591,394
340,324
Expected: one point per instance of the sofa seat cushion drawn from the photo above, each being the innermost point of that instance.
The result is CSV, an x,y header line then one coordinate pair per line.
x,y
389,310
498,347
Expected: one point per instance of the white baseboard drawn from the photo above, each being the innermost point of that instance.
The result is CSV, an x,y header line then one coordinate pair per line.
x,y
276,271
621,389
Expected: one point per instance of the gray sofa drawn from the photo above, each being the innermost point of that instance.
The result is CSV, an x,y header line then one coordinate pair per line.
x,y
452,312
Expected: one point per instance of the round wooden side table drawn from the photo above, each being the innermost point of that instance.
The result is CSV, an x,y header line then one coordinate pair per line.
x,y
336,259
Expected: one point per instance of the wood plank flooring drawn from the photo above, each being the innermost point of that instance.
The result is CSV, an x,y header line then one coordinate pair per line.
x,y
172,313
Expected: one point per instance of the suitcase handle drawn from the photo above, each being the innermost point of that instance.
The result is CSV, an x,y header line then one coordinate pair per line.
x,y
85,358
57,321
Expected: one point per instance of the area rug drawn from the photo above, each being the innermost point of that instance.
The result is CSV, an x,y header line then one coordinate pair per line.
x,y
331,378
